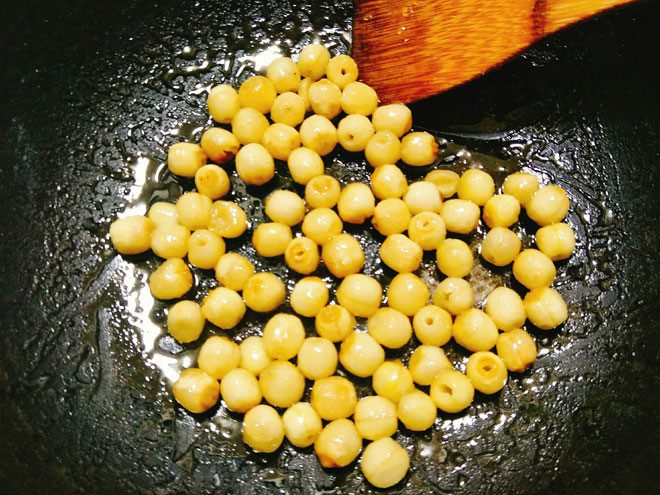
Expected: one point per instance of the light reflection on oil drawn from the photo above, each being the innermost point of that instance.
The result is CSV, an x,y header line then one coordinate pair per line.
x,y
263,59
140,305
141,172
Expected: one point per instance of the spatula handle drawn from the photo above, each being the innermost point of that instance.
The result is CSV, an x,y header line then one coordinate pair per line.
x,y
552,15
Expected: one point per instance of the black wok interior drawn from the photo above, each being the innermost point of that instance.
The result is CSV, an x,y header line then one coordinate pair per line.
x,y
92,93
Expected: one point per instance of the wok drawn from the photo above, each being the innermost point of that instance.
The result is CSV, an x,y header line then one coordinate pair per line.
x,y
92,93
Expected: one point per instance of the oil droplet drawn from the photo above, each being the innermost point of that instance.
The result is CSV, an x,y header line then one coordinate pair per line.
x,y
462,479
432,452
426,450
204,88
406,11
188,131
273,475
263,59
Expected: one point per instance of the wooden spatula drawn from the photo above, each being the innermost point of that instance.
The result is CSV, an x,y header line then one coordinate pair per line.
x,y
411,49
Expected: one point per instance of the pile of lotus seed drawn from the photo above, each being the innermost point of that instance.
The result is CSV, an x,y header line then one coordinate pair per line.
x,y
257,377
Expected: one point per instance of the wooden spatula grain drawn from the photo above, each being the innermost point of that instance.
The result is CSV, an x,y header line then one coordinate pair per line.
x,y
411,49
